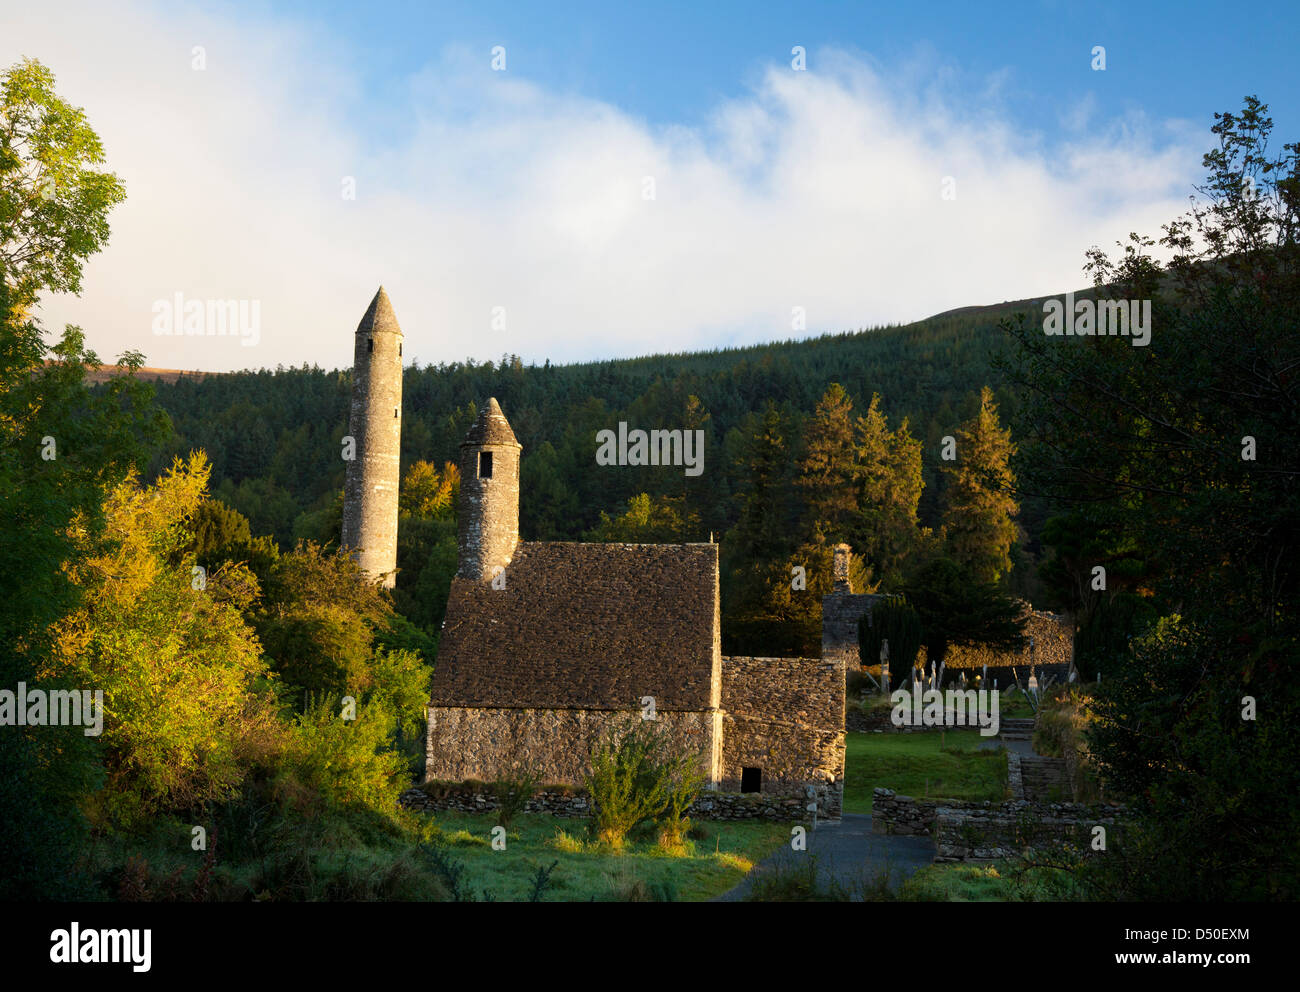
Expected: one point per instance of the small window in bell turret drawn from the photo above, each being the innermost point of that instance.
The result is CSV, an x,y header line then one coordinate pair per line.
x,y
370,345
485,464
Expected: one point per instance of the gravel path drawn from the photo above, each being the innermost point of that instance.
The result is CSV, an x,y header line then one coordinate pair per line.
x,y
850,853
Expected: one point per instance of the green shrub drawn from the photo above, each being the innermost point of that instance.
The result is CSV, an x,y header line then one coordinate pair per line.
x,y
512,792
637,774
1103,640
348,762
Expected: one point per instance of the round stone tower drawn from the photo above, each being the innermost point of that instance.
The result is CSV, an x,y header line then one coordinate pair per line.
x,y
370,492
488,526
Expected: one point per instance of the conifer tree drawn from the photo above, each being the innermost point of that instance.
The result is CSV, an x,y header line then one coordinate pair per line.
x,y
889,491
977,517
828,471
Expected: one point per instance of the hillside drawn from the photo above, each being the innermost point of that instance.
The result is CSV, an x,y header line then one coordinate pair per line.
x,y
274,437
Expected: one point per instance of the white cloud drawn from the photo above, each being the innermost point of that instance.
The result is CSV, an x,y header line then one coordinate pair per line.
x,y
818,189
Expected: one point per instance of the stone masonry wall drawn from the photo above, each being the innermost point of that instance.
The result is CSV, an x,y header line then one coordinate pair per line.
x,y
841,612
986,830
785,716
484,743
1053,636
708,806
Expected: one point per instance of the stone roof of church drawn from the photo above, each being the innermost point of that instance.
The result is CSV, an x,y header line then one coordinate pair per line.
x,y
491,427
379,317
584,626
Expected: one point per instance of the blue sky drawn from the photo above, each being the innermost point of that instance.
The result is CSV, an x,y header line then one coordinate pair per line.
x,y
672,62
638,178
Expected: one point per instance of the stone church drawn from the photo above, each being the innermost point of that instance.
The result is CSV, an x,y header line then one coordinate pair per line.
x,y
545,643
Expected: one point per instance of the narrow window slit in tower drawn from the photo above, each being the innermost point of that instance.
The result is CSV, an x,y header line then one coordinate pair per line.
x,y
370,344
399,351
485,464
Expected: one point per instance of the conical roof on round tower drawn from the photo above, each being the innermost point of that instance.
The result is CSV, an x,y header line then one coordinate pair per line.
x,y
379,317
491,427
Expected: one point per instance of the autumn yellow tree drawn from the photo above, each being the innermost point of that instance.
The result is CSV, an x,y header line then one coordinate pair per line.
x,y
186,701
429,492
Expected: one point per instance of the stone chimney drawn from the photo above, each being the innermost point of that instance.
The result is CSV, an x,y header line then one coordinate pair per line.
x,y
840,569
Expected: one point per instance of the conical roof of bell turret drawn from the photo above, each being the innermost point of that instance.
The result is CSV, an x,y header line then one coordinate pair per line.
x,y
379,317
491,427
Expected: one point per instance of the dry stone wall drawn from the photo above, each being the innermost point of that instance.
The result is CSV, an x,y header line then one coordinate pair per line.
x,y
1053,636
986,830
709,805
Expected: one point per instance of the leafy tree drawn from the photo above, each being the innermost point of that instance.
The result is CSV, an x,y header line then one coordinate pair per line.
x,y
636,772
318,619
428,492
53,206
1078,547
427,559
1214,790
977,520
217,528
351,762
177,663
62,448
1184,448
1111,626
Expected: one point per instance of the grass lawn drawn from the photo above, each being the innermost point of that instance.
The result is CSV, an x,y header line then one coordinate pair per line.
x,y
366,857
1014,706
947,764
993,882
718,857
1011,705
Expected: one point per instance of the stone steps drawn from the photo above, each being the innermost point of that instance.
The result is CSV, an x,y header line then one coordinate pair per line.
x,y
1040,776
1016,729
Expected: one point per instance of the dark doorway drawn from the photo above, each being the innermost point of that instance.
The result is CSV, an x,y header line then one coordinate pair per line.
x,y
751,780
